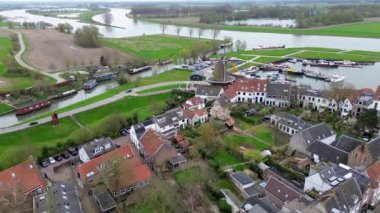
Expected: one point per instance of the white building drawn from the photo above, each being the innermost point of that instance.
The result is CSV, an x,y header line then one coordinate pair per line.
x,y
95,148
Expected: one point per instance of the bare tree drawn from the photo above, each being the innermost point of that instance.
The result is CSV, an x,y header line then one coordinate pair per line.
x,y
200,32
339,93
107,18
178,30
240,45
163,28
191,31
215,32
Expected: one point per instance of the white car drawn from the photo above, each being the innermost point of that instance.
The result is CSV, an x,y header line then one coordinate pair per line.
x,y
51,160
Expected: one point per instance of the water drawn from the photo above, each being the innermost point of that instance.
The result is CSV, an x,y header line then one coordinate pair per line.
x,y
357,77
264,22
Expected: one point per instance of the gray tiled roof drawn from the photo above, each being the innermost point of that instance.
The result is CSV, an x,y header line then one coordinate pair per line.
x,y
106,143
328,153
264,203
103,198
171,117
317,132
243,178
279,91
316,93
212,91
374,148
292,121
346,143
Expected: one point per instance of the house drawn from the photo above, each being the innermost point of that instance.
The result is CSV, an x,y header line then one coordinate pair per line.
x,y
373,147
317,100
278,95
209,92
257,204
280,191
96,148
195,111
156,150
304,138
373,172
132,173
247,90
138,130
103,199
178,161
170,122
22,180
244,183
288,123
62,196
326,178
346,197
347,106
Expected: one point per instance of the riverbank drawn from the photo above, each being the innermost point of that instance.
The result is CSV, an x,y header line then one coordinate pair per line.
x,y
367,29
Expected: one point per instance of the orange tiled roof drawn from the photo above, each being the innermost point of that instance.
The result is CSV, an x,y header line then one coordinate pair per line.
x,y
24,176
368,91
230,92
250,85
152,142
374,174
199,112
131,168
193,102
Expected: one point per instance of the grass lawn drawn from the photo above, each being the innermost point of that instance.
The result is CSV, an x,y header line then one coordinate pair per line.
x,y
167,87
250,142
264,133
86,15
126,106
185,176
156,47
337,56
4,108
361,29
173,75
266,60
224,158
17,146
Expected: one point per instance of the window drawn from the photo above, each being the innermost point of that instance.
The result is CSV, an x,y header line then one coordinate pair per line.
x,y
356,155
365,159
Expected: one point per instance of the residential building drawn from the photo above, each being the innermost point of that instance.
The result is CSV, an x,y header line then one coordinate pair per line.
x,y
103,199
170,122
304,138
95,148
209,92
62,197
195,111
288,123
347,106
247,90
123,162
258,204
365,101
156,150
317,100
22,180
278,94
280,192
138,130
244,183
373,173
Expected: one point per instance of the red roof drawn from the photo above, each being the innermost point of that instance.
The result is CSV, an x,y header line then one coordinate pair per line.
x,y
131,168
184,143
250,85
25,176
178,137
194,101
374,174
230,122
200,112
151,142
368,91
230,92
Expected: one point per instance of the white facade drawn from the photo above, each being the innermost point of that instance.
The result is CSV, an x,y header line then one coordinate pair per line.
x,y
198,119
329,140
250,97
316,182
346,107
83,155
318,103
274,102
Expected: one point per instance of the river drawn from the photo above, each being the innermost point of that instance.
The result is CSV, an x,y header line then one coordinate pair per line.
x,y
127,27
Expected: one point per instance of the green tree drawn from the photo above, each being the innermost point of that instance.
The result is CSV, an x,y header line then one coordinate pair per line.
x,y
368,119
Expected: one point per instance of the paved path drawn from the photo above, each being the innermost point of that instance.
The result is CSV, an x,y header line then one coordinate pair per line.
x,y
21,62
103,102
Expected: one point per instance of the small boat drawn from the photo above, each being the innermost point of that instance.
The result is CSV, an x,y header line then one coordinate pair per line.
x,y
305,62
90,84
161,63
140,69
261,47
323,63
293,60
30,107
292,71
104,76
315,75
65,94
336,78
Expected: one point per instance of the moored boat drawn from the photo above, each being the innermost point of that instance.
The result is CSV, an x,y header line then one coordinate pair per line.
x,y
336,78
65,94
90,84
140,69
315,75
292,71
31,107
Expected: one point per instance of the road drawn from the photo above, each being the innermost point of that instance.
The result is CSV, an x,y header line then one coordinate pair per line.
x,y
102,103
21,62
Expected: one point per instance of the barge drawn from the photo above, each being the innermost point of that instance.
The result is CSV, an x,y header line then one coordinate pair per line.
x,y
260,47
90,84
65,94
104,76
31,107
141,69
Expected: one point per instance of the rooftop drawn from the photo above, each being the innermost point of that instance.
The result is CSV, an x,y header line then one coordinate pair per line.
x,y
103,197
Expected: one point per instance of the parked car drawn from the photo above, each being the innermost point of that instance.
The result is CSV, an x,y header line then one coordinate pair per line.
x,y
44,163
128,91
73,151
123,131
51,160
65,155
33,123
57,158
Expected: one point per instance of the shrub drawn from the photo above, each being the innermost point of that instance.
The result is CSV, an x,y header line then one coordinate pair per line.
x,y
224,207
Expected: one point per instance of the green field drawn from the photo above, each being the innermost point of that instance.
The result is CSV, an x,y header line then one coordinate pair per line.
x,y
362,29
173,75
86,16
269,56
4,108
250,142
185,176
17,146
167,87
264,133
126,106
224,158
156,47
